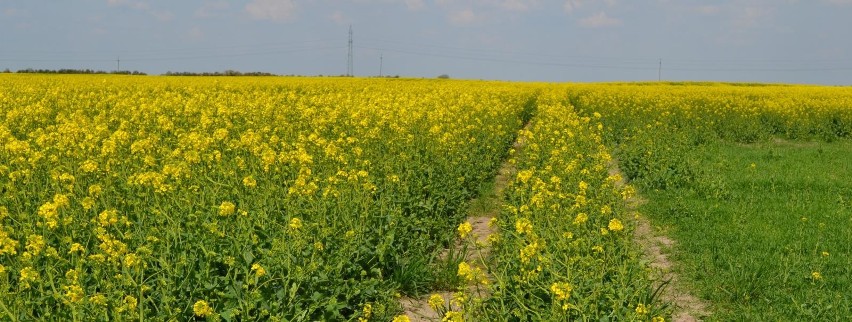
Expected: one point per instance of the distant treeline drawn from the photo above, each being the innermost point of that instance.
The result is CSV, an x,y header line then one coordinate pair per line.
x,y
225,73
75,71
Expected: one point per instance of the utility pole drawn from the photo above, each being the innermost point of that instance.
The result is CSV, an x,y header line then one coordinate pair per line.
x,y
381,61
350,70
118,63
660,71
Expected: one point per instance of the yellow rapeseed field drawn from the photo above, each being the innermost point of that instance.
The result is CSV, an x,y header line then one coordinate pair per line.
x,y
302,199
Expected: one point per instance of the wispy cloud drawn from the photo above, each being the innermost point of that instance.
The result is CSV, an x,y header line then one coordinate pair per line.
x,y
708,9
212,8
162,15
570,6
464,17
599,20
515,5
750,17
275,10
12,12
414,4
195,33
339,18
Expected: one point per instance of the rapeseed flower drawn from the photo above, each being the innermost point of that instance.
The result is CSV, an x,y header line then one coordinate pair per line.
x,y
464,229
258,270
227,208
615,225
202,309
295,223
401,318
436,302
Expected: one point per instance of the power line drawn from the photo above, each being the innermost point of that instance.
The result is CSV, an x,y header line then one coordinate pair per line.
x,y
639,65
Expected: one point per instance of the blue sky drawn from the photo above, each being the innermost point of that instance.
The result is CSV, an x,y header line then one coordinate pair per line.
x,y
527,40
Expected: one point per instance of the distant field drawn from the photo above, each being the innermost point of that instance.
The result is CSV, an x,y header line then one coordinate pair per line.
x,y
301,199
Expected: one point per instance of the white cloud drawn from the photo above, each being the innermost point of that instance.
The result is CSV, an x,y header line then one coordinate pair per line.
x,y
339,18
599,20
414,4
708,10
195,33
570,6
11,12
162,15
517,5
464,17
275,10
138,5
212,8
750,17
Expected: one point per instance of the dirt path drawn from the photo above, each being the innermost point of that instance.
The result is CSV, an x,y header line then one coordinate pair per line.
x,y
687,307
482,210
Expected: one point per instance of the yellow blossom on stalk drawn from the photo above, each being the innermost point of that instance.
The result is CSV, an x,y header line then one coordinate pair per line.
x,y
249,182
49,212
436,302
464,229
581,218
628,192
258,270
465,272
816,276
528,252
641,309
227,208
89,166
295,223
524,176
7,244
131,260
35,244
87,203
108,217
523,226
202,309
453,316
66,178
824,254
98,299
615,225
73,293
401,318
562,291
95,190
658,319
367,310
28,275
458,299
